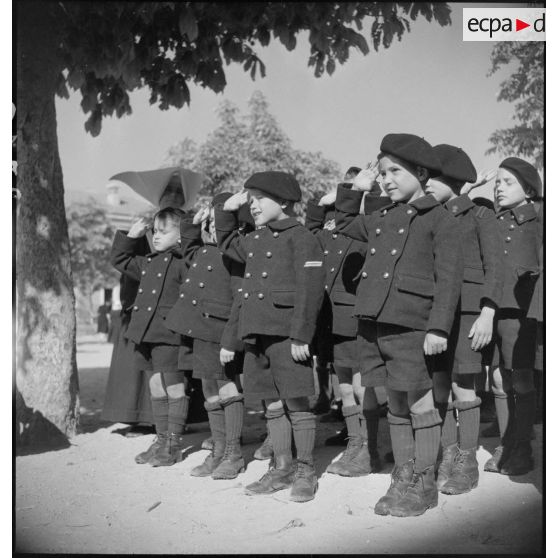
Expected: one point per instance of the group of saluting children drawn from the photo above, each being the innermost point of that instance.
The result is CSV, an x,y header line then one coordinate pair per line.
x,y
414,289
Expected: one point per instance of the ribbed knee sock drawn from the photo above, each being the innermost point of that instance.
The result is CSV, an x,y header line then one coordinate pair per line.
x,y
351,415
160,408
469,423
505,411
280,430
449,424
369,428
402,441
234,417
216,416
304,431
426,427
178,411
525,409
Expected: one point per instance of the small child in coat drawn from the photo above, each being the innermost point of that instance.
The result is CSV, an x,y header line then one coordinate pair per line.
x,y
282,293
481,291
406,301
517,184
202,313
160,274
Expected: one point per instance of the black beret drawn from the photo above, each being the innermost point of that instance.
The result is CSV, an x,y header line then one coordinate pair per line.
x,y
412,149
222,197
455,163
277,184
524,172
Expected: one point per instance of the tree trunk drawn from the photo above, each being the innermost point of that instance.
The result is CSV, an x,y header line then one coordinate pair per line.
x,y
47,401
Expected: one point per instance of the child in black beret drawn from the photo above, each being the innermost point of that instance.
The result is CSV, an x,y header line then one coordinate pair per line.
x,y
406,300
481,291
517,185
282,293
160,274
202,313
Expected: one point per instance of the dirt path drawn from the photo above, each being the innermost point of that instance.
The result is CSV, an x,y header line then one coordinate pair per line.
x,y
93,498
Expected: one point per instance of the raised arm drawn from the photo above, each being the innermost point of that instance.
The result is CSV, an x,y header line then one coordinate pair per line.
x,y
229,239
348,221
124,253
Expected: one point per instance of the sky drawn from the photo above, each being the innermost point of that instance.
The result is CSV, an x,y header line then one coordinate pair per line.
x,y
431,83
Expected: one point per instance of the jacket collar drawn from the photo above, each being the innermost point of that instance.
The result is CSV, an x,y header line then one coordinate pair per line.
x,y
283,224
522,214
459,205
176,252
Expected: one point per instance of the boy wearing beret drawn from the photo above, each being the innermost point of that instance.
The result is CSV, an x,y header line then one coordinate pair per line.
x,y
202,313
481,290
282,292
517,184
406,301
343,259
160,274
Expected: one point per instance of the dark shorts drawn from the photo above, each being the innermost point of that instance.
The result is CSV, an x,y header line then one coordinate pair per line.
x,y
392,356
345,352
459,358
323,344
155,357
271,373
185,354
515,341
206,363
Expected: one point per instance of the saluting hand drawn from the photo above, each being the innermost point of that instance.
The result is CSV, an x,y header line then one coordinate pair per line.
x,y
483,178
364,180
235,201
481,332
139,228
328,199
201,215
225,356
435,342
300,351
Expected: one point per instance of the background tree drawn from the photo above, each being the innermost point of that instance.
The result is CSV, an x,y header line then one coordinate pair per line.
x,y
525,88
105,50
91,235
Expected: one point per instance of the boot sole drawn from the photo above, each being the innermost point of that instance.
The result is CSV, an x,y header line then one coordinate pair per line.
x,y
404,514
228,477
300,500
452,492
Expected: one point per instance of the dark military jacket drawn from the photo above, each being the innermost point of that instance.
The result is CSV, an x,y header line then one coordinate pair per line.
x,y
343,260
536,308
160,275
414,263
283,284
483,272
204,303
520,233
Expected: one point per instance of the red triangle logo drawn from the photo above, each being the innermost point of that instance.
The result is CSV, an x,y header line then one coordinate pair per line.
x,y
519,25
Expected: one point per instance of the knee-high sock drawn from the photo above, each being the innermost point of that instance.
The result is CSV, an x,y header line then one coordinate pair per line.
x,y
304,431
402,441
351,415
160,408
505,411
234,417
525,409
449,424
178,411
469,423
280,430
216,416
426,427
370,420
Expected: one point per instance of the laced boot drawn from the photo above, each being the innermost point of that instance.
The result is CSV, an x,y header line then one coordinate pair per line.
x,y
401,478
170,453
353,448
265,451
279,476
305,483
446,465
211,461
157,443
520,460
501,455
464,474
232,463
420,495
361,464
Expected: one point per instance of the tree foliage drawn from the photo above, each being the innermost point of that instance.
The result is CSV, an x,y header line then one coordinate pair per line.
x,y
111,48
524,88
244,144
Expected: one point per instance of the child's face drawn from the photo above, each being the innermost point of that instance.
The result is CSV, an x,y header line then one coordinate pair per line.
x,y
165,235
263,208
400,180
441,191
508,192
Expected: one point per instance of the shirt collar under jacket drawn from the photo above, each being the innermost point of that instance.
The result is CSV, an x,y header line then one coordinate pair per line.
x,y
424,203
522,213
283,224
172,251
459,205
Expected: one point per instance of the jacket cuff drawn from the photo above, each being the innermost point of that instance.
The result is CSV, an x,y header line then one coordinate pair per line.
x,y
303,332
315,212
189,230
225,220
440,320
123,243
348,201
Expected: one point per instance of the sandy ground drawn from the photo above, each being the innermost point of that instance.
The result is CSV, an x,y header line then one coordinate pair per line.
x,y
93,498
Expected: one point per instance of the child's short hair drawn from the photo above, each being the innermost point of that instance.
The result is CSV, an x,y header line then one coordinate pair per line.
x,y
352,172
170,215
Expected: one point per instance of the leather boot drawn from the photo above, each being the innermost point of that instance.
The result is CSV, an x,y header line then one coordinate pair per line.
x,y
420,495
170,453
353,448
446,465
401,478
211,461
305,483
520,460
265,451
465,473
158,442
501,455
279,476
232,463
360,464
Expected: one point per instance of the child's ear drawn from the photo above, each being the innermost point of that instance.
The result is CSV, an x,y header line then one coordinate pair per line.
x,y
423,174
